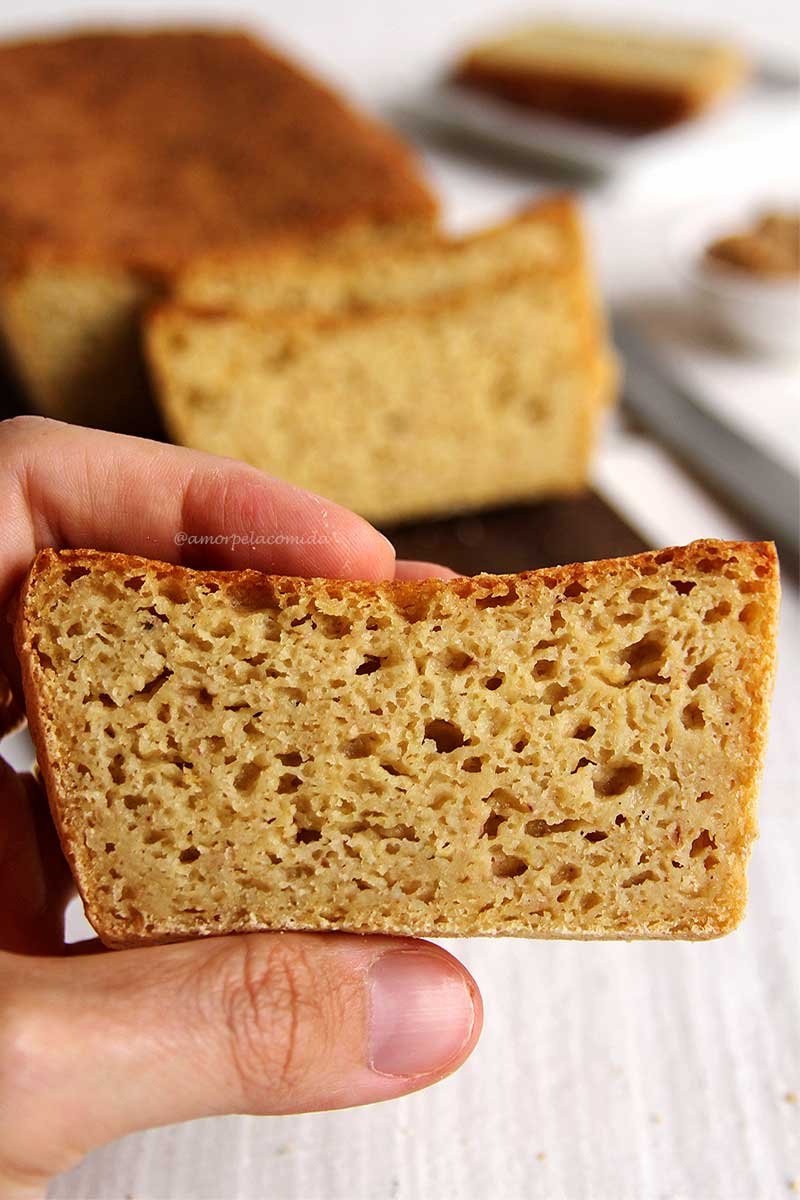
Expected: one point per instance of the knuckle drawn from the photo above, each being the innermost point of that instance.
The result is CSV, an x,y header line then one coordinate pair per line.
x,y
279,1015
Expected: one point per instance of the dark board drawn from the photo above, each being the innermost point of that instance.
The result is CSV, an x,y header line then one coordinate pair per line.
x,y
521,538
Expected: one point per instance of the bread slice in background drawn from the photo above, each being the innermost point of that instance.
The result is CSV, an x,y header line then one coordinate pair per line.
x,y
573,752
129,153
626,79
291,276
445,377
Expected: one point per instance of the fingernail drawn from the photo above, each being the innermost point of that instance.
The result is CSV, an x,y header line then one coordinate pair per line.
x,y
421,1013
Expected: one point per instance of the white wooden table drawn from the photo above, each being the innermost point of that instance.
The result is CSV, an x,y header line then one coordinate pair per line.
x,y
608,1071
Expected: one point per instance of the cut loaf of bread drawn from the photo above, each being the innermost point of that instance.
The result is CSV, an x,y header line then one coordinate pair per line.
x,y
622,78
443,377
128,154
571,752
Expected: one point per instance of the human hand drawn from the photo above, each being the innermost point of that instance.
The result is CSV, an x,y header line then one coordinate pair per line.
x,y
96,1045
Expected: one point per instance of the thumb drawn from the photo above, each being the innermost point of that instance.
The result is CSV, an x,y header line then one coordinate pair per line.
x,y
97,1047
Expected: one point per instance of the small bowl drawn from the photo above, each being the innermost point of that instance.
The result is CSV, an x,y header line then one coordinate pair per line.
x,y
761,314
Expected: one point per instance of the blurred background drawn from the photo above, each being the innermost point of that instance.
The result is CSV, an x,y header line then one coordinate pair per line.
x,y
605,1071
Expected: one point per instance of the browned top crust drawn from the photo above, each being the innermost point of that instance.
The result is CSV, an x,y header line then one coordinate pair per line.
x,y
140,150
252,590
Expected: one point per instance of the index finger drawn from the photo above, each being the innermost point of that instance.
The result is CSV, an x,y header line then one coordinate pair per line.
x,y
65,486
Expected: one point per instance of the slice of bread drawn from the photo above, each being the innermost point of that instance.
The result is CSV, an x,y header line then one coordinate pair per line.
x,y
130,153
621,78
571,752
443,378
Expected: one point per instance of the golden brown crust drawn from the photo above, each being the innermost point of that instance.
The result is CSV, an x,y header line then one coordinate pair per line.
x,y
38,722
143,149
251,589
303,324
707,555
560,209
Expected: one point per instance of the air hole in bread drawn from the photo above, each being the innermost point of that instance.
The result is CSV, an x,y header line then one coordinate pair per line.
x,y
717,613
154,685
492,824
334,625
641,877
247,776
457,660
580,764
553,695
116,768
617,779
308,835
507,866
645,659
704,841
445,735
701,673
73,574
557,622
540,829
503,600
692,716
750,614
362,745
174,591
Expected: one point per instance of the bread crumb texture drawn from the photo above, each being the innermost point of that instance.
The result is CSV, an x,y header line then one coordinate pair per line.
x,y
565,753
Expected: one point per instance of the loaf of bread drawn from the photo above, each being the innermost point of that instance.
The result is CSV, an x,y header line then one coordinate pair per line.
x,y
444,377
127,154
619,78
571,752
